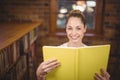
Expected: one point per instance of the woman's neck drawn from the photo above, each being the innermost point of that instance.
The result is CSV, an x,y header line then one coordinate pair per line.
x,y
75,44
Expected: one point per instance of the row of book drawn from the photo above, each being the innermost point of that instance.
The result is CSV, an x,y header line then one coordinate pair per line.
x,y
13,57
18,71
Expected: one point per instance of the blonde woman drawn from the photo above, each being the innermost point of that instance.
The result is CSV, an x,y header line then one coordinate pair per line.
x,y
75,30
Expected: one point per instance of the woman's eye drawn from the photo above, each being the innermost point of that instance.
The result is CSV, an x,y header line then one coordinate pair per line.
x,y
78,28
69,28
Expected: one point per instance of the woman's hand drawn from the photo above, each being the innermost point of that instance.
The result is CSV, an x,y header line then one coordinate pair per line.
x,y
46,67
104,75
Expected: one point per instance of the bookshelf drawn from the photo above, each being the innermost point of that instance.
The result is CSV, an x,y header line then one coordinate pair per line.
x,y
16,42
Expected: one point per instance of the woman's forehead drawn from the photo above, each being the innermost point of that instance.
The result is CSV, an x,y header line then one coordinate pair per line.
x,y
74,20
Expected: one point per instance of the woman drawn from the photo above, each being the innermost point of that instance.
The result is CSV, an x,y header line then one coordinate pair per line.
x,y
75,30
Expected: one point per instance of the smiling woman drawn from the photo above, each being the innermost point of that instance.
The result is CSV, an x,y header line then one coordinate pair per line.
x,y
92,10
75,30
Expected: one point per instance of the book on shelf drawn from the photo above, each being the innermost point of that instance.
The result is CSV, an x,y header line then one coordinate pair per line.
x,y
10,54
14,52
33,35
26,44
77,63
21,46
4,64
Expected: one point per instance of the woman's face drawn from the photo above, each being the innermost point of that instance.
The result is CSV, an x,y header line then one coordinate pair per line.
x,y
75,30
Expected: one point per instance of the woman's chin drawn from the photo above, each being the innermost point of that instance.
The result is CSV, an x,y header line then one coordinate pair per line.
x,y
75,41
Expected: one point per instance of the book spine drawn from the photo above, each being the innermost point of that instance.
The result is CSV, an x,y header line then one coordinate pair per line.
x,y
76,64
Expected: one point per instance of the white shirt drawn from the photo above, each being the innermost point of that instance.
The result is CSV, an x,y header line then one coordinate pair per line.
x,y
66,45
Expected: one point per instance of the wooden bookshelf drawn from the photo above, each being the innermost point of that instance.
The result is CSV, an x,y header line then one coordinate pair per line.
x,y
10,32
15,40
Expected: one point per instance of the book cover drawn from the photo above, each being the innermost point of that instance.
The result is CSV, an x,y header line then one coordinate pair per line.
x,y
77,63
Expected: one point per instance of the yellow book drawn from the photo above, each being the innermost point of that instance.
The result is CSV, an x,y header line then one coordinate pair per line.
x,y
77,63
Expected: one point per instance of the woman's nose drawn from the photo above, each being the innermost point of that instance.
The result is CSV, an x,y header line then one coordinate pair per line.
x,y
74,32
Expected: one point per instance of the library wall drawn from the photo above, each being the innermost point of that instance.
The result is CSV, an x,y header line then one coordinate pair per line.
x,y
111,27
24,10
34,10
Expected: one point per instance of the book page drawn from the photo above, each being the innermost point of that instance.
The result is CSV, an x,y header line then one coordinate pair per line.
x,y
67,58
91,60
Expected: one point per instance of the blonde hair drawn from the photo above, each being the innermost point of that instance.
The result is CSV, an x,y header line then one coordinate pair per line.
x,y
76,13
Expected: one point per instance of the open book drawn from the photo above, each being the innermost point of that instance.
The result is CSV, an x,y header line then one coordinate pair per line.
x,y
77,63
